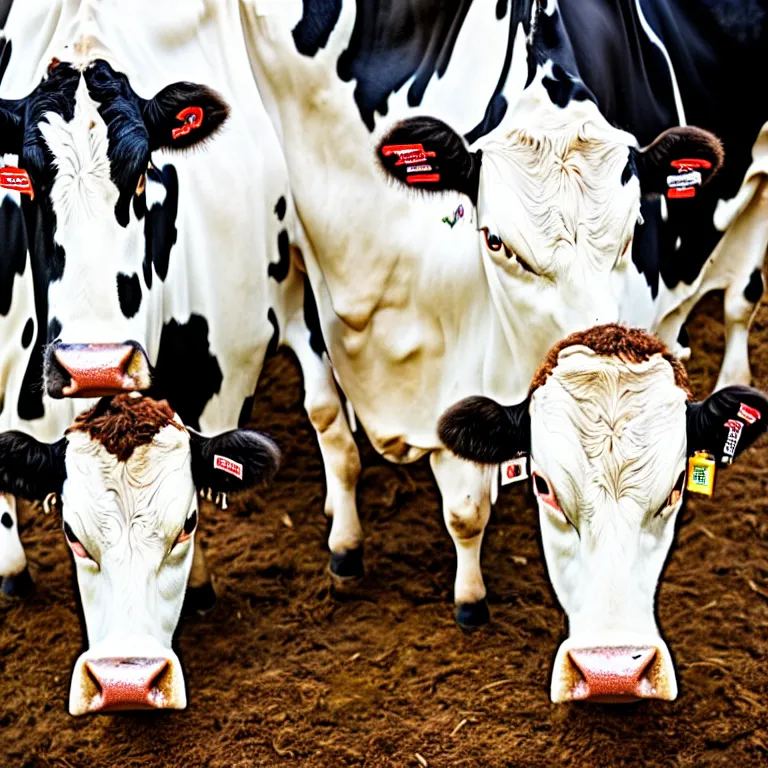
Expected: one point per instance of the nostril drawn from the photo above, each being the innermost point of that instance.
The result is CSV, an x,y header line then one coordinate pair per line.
x,y
6,520
158,686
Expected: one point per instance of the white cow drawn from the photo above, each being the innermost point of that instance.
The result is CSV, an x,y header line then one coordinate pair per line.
x,y
609,425
426,298
128,474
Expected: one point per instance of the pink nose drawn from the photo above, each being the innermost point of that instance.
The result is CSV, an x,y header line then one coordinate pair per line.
x,y
614,674
128,684
102,369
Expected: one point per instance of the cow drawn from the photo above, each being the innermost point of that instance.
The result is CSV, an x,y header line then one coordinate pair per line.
x,y
156,267
608,426
128,473
488,247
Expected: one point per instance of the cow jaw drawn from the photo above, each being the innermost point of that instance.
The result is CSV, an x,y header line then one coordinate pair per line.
x,y
610,438
127,515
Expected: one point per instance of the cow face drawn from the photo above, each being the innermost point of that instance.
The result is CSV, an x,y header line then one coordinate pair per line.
x,y
557,193
609,427
128,473
84,139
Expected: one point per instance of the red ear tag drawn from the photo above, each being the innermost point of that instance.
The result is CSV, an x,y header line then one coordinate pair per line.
x,y
192,117
407,154
17,180
750,415
690,164
228,466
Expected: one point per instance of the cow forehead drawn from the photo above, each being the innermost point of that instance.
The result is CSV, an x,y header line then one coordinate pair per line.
x,y
155,482
556,178
607,430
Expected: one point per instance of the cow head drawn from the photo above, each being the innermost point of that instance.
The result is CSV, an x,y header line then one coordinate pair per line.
x,y
128,473
84,140
609,426
556,188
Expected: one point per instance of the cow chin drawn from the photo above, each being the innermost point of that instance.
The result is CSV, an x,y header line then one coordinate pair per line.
x,y
95,370
617,669
136,673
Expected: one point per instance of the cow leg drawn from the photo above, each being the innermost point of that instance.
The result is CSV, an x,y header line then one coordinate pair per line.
x,y
341,458
14,573
200,596
747,240
466,509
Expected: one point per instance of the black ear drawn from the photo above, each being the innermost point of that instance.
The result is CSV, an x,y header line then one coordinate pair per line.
x,y
662,166
425,153
29,468
183,114
708,422
481,430
233,461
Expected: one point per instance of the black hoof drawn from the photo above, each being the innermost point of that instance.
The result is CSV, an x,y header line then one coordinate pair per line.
x,y
472,615
199,600
18,585
347,565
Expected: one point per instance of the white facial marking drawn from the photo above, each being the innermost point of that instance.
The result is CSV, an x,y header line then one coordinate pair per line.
x,y
610,437
127,516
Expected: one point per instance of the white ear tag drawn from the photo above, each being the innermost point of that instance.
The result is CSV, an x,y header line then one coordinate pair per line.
x,y
514,470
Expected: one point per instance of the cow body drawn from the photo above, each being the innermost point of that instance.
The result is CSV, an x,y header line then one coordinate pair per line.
x,y
150,266
415,307
607,430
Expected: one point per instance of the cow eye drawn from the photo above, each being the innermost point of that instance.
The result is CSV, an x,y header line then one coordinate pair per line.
x,y
74,543
492,242
189,528
544,492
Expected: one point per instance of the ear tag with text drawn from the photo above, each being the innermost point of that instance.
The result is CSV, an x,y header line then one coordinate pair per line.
x,y
684,183
749,414
514,470
731,442
228,465
415,159
17,180
701,473
192,117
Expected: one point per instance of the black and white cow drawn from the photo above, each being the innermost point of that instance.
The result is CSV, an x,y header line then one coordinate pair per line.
x,y
154,267
128,472
608,427
524,229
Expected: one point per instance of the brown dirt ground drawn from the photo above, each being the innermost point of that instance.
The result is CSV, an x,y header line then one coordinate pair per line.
x,y
285,673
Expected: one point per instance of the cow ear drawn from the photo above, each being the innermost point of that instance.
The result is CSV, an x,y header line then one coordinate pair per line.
x,y
425,153
676,157
727,422
479,429
30,468
233,461
183,114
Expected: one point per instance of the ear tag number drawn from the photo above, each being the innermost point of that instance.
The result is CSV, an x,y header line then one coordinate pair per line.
x,y
684,183
228,465
192,117
701,473
514,470
17,180
731,442
414,158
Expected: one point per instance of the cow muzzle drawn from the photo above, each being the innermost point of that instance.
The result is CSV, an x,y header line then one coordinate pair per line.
x,y
615,673
117,683
95,370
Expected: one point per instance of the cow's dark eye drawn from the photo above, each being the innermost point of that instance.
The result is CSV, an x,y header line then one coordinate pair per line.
x,y
492,242
189,528
74,543
542,486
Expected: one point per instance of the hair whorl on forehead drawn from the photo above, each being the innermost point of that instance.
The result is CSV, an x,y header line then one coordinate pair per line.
x,y
124,422
632,345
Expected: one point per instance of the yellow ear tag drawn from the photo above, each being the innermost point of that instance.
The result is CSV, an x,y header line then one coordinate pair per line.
x,y
701,473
